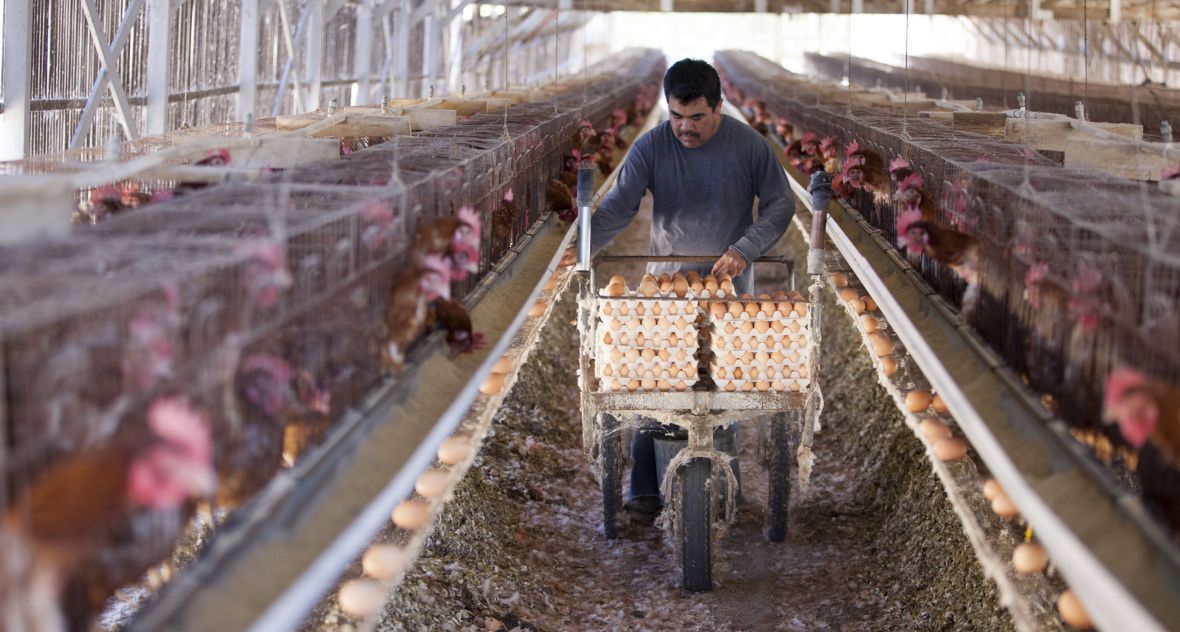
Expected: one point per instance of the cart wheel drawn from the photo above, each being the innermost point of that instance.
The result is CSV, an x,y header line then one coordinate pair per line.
x,y
781,456
697,526
611,452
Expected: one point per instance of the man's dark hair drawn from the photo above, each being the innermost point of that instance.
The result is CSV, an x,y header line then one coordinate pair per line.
x,y
690,79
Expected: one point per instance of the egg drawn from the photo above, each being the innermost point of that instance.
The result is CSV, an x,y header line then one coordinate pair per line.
x,y
726,286
752,309
624,371
711,285
762,385
795,386
634,322
616,290
623,310
641,339
889,365
493,384
718,310
737,373
950,448
933,430
640,309
777,357
794,326
664,278
550,284
1029,558
777,326
383,561
692,276
680,287
697,287
767,308
631,354
748,357
778,385
411,515
746,327
730,387
681,324
663,385
735,309
607,339
681,355
917,401
869,323
673,339
648,385
608,370
856,306
633,385
664,355
753,373
762,326
690,371
784,308
504,364
360,598
839,279
648,354
453,450
432,483
801,308
1004,507
618,278
720,372
939,405
747,386
1071,611
991,489
681,385
648,288
882,345
624,338
607,308
848,294
870,304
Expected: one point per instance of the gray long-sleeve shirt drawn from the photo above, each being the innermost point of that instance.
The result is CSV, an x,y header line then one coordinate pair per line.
x,y
703,197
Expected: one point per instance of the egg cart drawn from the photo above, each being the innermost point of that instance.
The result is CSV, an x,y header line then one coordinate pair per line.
x,y
691,482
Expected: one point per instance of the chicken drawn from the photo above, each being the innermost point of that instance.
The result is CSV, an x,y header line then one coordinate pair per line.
x,y
66,521
1085,303
264,273
803,154
217,158
569,172
105,202
560,200
912,197
582,136
251,456
783,130
1147,413
504,221
957,250
378,217
829,152
406,316
311,418
455,238
453,317
149,353
865,169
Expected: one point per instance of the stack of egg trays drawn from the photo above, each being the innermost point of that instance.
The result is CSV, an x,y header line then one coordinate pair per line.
x,y
646,344
760,346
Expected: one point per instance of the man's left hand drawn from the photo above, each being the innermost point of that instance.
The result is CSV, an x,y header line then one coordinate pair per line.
x,y
731,263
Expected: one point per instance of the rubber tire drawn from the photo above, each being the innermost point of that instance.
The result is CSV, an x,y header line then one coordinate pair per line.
x,y
781,456
611,453
696,523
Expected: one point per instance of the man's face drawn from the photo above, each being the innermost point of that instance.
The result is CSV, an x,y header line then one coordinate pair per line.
x,y
694,122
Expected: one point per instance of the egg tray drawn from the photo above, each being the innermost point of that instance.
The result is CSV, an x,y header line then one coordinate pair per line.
x,y
648,323
627,307
608,385
606,354
647,340
759,371
762,385
758,342
647,372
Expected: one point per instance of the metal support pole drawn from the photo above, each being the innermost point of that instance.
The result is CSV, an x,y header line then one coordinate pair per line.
x,y
16,76
159,50
404,23
315,54
248,59
455,57
430,47
362,90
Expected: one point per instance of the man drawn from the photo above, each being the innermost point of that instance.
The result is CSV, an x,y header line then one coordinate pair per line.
x,y
704,171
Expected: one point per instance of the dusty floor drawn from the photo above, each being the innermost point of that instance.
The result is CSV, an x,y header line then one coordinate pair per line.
x,y
872,545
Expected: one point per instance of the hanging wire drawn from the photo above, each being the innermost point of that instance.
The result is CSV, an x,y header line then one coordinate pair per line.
x,y
848,64
1086,51
905,97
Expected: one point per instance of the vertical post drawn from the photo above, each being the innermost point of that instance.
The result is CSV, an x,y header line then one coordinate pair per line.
x,y
16,64
361,90
248,60
1116,12
315,53
430,48
455,59
402,81
159,51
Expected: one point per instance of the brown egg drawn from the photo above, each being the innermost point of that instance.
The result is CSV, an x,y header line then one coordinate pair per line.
x,y
777,357
746,327
939,405
917,401
673,339
616,290
801,308
762,385
648,288
711,286
608,370
848,294
1004,507
634,322
746,386
1072,612
991,489
623,310
693,276
664,354
721,372
633,385
624,371
784,308
649,277
726,286
648,323
748,357
641,339
680,287
411,514
950,448
383,561
778,385
870,304
777,326
735,310
697,287
550,284
794,326
690,370
753,373
683,323
607,308
504,364
681,385
631,355
664,278
869,323
1029,558
682,355
767,308
618,278
360,598
856,306
718,310
648,385
640,309
453,450
795,386
889,365
933,429
762,356
656,309
762,326
752,309
648,354
730,387
882,345
432,483
493,384
839,279
665,288
737,373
